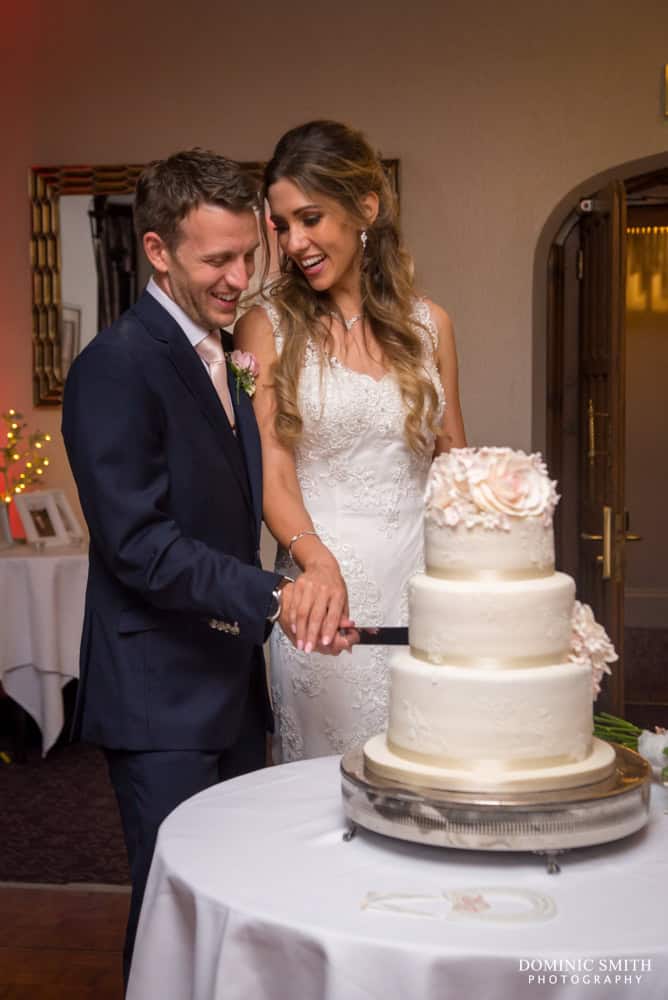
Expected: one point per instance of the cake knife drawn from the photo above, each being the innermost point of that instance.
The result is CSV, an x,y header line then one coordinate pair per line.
x,y
380,635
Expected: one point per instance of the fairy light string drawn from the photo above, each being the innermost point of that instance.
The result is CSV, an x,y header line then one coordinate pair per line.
x,y
23,458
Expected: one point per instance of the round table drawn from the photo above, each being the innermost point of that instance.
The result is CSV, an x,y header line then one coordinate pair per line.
x,y
41,616
254,893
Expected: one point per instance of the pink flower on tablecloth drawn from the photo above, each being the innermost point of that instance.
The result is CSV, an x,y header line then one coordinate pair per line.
x,y
471,904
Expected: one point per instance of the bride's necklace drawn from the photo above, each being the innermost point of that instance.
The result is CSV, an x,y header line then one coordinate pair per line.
x,y
348,323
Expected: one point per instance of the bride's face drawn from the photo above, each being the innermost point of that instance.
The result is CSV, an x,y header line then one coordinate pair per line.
x,y
317,234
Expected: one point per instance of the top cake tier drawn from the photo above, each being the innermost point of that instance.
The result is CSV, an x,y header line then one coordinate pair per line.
x,y
489,511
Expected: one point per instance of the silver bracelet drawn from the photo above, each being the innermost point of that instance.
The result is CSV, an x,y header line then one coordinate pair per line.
x,y
295,538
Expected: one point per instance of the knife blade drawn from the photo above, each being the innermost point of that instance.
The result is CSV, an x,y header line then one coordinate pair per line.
x,y
381,635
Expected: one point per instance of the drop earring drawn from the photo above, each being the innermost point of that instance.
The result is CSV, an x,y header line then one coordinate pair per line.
x,y
364,239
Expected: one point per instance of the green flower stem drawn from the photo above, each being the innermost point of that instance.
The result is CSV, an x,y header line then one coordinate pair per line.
x,y
605,717
615,730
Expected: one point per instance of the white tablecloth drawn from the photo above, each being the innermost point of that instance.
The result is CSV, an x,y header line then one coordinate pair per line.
x,y
41,616
253,895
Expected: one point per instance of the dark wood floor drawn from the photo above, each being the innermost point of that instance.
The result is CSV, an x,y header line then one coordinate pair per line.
x,y
61,943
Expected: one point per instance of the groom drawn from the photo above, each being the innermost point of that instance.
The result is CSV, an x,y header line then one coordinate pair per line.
x,y
165,451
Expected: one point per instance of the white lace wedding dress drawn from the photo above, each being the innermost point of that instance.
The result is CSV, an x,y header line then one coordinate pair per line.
x,y
363,488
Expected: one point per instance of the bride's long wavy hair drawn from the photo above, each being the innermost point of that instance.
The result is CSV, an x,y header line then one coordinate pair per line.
x,y
331,159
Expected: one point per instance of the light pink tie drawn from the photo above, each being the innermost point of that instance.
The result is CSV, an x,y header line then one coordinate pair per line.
x,y
211,350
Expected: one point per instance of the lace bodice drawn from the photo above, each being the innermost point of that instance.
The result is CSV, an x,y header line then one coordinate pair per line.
x,y
363,487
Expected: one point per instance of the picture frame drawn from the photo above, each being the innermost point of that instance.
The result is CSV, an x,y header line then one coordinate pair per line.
x,y
6,540
67,516
40,518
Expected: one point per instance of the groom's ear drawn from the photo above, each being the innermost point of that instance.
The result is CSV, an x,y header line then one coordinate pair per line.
x,y
157,252
370,205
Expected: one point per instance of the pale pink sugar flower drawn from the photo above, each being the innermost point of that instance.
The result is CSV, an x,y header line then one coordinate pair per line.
x,y
591,645
489,486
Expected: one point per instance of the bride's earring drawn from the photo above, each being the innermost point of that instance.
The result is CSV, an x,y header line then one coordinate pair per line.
x,y
364,239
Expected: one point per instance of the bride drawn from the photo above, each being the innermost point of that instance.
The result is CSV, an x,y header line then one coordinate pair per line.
x,y
355,374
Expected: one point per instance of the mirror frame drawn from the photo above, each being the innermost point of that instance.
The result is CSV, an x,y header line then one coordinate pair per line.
x,y
46,186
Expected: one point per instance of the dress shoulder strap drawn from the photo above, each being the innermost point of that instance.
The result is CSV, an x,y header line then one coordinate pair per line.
x,y
274,318
425,321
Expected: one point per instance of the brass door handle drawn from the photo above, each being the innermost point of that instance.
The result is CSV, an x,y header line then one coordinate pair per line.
x,y
606,556
633,538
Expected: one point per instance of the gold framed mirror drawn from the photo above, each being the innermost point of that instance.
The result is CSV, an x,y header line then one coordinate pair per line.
x,y
55,324
47,186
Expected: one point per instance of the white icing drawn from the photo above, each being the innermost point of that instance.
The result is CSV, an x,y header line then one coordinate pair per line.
x,y
492,619
476,715
526,547
488,777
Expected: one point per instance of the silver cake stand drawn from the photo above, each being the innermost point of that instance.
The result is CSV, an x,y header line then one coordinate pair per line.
x,y
546,823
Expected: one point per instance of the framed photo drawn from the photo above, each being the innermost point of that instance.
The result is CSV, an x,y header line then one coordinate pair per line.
x,y
40,518
67,516
6,539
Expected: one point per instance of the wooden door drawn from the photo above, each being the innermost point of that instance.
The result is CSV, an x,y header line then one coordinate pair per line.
x,y
601,535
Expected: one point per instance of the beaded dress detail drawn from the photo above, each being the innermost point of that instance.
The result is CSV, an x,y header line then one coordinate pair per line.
x,y
364,488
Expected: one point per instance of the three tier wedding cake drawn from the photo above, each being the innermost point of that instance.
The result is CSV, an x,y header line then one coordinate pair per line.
x,y
495,694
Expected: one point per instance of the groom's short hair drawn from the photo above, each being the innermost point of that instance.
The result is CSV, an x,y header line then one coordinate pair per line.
x,y
167,190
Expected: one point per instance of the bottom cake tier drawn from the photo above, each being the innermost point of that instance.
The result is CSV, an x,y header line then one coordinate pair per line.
x,y
489,729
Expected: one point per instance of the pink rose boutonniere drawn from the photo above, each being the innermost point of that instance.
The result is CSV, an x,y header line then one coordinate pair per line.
x,y
245,369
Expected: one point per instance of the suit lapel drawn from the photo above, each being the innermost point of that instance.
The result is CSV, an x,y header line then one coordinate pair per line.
x,y
249,438
191,370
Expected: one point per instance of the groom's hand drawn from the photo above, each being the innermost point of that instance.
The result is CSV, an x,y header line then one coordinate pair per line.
x,y
315,607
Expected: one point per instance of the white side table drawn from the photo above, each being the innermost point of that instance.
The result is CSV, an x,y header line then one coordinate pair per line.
x,y
41,617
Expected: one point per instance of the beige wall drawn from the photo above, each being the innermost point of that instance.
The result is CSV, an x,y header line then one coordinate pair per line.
x,y
496,111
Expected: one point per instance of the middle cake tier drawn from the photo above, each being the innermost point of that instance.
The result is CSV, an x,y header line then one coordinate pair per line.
x,y
491,623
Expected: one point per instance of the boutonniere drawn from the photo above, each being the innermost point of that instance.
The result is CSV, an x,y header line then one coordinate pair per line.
x,y
245,369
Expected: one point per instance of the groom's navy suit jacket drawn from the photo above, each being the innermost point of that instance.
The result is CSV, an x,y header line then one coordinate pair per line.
x,y
176,602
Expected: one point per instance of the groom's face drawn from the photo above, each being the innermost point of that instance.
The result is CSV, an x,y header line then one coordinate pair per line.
x,y
210,265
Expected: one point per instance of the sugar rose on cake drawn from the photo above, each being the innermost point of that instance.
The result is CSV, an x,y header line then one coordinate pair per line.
x,y
489,486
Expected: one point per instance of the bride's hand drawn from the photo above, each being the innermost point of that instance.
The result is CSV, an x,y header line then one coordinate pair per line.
x,y
316,605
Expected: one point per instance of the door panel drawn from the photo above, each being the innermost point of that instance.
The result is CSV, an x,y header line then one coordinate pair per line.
x,y
600,575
